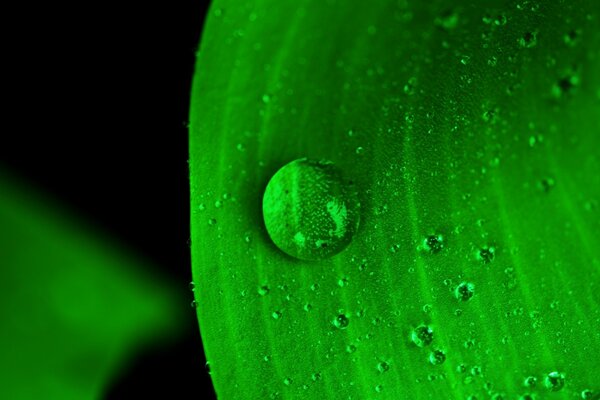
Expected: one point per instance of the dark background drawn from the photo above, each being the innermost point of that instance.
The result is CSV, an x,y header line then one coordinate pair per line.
x,y
98,96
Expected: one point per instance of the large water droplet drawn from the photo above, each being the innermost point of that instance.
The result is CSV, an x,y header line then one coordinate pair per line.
x,y
311,212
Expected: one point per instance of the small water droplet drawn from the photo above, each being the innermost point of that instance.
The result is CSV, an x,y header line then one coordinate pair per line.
x,y
287,381
422,336
433,243
528,40
554,381
464,291
316,376
437,357
486,254
212,221
350,348
587,394
448,20
383,367
311,212
207,368
379,388
307,307
263,290
546,184
276,315
360,150
266,98
341,321
194,304
192,286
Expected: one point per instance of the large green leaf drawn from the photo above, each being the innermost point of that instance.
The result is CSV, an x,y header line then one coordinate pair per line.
x,y
471,131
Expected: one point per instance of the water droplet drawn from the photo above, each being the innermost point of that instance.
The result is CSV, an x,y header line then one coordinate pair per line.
x,y
307,307
360,150
212,221
437,357
486,254
276,315
343,282
476,370
207,368
546,184
287,381
341,321
571,38
448,20
427,308
464,291
528,40
422,336
526,396
379,388
192,286
194,304
383,367
350,348
587,394
316,376
266,98
263,290
218,204
310,211
554,381
433,243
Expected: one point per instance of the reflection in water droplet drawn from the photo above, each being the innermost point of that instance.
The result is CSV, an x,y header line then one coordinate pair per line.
x,y
310,211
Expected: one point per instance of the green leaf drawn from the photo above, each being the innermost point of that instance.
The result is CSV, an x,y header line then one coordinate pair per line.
x,y
470,132
74,305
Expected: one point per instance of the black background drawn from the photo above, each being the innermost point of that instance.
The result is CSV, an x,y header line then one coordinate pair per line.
x,y
97,101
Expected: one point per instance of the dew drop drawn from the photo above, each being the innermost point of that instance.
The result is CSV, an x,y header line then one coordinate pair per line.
x,y
263,290
422,336
311,212
437,357
486,254
287,381
464,291
433,243
587,394
341,321
554,381
528,40
379,388
207,368
276,315
383,367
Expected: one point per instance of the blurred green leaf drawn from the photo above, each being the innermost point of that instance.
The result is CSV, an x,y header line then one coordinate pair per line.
x,y
73,306
471,131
